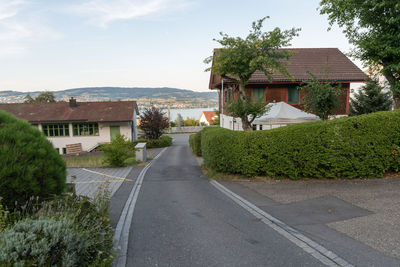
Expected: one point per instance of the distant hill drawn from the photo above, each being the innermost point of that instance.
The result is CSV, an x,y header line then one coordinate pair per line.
x,y
144,96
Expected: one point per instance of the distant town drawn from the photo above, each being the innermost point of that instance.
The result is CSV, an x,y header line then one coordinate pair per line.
x,y
145,97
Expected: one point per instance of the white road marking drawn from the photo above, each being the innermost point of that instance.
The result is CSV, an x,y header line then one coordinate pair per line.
x,y
107,175
317,251
124,224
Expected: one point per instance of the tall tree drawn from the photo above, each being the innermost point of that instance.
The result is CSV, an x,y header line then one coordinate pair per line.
x,y
370,98
239,58
321,98
153,122
40,98
373,27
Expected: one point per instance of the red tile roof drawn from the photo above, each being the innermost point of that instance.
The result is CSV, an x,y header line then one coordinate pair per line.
x,y
316,61
209,116
107,111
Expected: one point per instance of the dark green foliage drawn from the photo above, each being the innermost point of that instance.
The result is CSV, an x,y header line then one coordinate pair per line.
x,y
29,165
117,152
195,143
322,97
240,57
153,122
40,98
362,146
373,27
247,108
67,231
371,98
163,141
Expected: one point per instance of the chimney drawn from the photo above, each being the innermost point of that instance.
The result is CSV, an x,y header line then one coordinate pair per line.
x,y
72,103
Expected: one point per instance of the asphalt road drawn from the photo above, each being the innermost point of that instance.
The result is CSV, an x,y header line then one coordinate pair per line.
x,y
180,219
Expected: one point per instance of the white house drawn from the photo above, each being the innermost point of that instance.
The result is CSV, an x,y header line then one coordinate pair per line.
x,y
85,123
207,117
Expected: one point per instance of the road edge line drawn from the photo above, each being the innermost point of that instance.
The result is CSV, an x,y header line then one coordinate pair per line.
x,y
319,252
125,220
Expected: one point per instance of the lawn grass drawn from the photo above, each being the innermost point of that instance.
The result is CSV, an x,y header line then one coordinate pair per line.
x,y
92,161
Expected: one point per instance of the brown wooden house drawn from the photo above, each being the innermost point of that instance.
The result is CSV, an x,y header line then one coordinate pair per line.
x,y
325,63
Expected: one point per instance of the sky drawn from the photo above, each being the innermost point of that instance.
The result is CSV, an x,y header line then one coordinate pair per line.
x,y
55,45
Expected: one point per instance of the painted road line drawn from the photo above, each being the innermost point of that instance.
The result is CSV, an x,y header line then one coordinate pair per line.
x,y
317,251
102,181
107,175
121,235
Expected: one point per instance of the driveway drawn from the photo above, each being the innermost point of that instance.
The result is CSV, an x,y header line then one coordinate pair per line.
x,y
360,217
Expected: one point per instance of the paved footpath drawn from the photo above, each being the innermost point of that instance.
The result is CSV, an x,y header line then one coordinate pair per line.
x,y
181,219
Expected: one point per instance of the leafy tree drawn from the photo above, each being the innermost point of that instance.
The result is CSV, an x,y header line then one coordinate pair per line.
x,y
40,98
153,122
374,28
216,120
117,152
239,58
321,98
29,99
370,98
190,122
29,165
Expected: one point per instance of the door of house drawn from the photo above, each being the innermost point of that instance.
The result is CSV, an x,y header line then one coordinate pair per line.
x,y
114,131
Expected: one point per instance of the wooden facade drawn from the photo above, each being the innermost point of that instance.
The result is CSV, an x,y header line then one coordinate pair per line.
x,y
279,92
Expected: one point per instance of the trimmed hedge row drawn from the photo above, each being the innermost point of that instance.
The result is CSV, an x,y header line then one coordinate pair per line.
x,y
163,141
195,143
361,146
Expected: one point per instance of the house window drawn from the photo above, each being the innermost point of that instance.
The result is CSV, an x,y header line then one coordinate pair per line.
x,y
56,129
64,149
261,127
85,129
254,127
226,98
293,95
258,95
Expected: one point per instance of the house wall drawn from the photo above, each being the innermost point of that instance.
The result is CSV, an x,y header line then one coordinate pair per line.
x,y
203,120
279,92
89,142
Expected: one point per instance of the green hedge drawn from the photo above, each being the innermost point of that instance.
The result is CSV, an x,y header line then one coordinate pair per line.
x,y
195,143
361,146
163,141
29,164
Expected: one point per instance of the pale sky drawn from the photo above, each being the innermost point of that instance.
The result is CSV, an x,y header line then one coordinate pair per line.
x,y
57,44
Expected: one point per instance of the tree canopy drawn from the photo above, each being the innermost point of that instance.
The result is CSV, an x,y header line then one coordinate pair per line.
x,y
373,27
40,98
321,98
153,122
370,98
240,57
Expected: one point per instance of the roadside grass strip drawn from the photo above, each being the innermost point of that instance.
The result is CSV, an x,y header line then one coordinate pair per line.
x,y
121,236
314,249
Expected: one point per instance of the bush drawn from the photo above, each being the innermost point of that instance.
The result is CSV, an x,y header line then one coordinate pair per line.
x,y
117,152
29,165
163,141
67,231
362,146
153,122
195,143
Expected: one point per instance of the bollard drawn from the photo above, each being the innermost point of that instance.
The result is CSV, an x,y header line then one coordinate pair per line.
x,y
140,149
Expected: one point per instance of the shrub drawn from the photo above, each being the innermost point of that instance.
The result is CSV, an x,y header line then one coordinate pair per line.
x,y
117,152
3,218
29,165
67,231
163,141
195,143
362,146
153,122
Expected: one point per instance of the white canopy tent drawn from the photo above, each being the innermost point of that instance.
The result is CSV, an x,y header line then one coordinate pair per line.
x,y
282,114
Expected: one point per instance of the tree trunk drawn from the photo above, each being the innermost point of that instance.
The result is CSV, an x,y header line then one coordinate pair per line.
x,y
396,102
243,96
